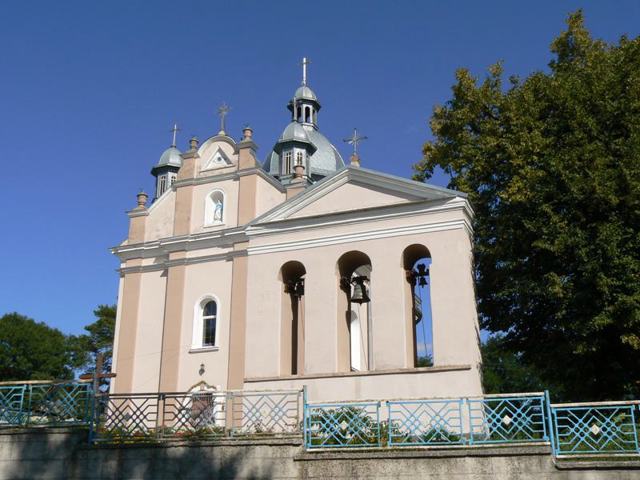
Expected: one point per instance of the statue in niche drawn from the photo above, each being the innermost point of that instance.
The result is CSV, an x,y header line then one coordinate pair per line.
x,y
217,211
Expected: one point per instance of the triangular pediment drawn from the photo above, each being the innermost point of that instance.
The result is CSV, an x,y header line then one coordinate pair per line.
x,y
353,189
218,159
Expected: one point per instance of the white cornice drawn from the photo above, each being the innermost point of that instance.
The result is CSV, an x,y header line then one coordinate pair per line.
x,y
365,215
359,237
229,237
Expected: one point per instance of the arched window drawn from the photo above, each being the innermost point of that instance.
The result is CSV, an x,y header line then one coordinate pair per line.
x,y
292,319
205,323
416,261
307,114
299,158
209,316
214,208
354,312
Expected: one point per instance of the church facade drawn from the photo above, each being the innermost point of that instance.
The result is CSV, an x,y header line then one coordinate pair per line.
x,y
297,270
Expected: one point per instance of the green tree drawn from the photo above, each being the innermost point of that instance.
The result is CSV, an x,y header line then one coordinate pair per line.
x,y
503,370
97,340
31,350
551,164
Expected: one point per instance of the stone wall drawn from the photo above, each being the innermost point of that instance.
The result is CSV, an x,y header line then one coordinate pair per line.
x,y
64,454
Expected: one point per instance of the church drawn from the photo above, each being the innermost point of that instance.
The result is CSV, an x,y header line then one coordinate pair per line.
x,y
299,269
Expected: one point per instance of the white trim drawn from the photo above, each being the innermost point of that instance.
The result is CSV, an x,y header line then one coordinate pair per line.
x,y
364,215
196,325
209,209
357,237
206,349
116,334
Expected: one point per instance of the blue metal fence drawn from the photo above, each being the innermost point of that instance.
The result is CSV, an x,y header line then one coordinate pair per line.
x,y
425,422
604,428
45,403
507,419
342,425
596,428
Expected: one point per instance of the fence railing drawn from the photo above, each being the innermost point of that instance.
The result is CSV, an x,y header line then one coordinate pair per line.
x,y
597,428
571,429
425,422
507,419
154,417
45,403
342,425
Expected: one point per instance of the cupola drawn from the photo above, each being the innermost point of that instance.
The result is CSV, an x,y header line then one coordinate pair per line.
x,y
166,170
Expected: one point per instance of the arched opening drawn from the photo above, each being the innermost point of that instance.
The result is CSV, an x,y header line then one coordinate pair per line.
x,y
354,312
307,114
416,261
214,208
292,319
299,115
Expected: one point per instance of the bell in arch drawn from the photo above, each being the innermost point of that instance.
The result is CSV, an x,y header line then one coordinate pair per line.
x,y
359,293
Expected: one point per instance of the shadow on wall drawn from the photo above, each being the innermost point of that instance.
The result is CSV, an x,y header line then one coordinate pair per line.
x,y
63,454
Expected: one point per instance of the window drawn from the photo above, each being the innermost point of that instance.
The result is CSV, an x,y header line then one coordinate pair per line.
x,y
205,323
172,179
163,185
209,314
214,208
299,158
287,162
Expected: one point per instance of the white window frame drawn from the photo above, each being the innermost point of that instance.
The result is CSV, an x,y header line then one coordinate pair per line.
x,y
197,338
209,209
287,159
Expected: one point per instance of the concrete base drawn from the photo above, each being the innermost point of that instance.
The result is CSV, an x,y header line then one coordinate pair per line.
x,y
64,454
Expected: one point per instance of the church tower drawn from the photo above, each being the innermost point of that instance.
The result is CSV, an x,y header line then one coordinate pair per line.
x,y
302,152
166,170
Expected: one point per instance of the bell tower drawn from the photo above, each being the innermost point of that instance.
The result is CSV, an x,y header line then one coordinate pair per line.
x,y
166,170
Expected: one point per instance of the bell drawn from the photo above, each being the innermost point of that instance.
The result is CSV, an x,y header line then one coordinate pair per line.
x,y
359,294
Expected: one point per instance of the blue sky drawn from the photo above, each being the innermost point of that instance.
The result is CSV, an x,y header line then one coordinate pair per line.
x,y
89,91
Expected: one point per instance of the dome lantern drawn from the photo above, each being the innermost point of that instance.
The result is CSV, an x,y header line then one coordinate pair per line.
x,y
301,143
166,170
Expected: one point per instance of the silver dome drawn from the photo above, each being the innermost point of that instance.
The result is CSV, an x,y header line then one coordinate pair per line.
x,y
324,160
294,131
171,157
305,93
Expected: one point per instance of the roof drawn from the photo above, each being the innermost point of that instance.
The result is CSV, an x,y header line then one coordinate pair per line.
x,y
305,93
364,176
171,156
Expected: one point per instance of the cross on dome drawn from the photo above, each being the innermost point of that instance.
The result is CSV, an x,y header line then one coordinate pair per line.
x,y
223,111
354,140
175,130
305,62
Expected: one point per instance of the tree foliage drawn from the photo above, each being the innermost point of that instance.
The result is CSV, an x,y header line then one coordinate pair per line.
x,y
31,350
551,164
97,340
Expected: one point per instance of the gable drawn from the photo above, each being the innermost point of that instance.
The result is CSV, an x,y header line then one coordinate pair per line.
x,y
354,188
352,196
